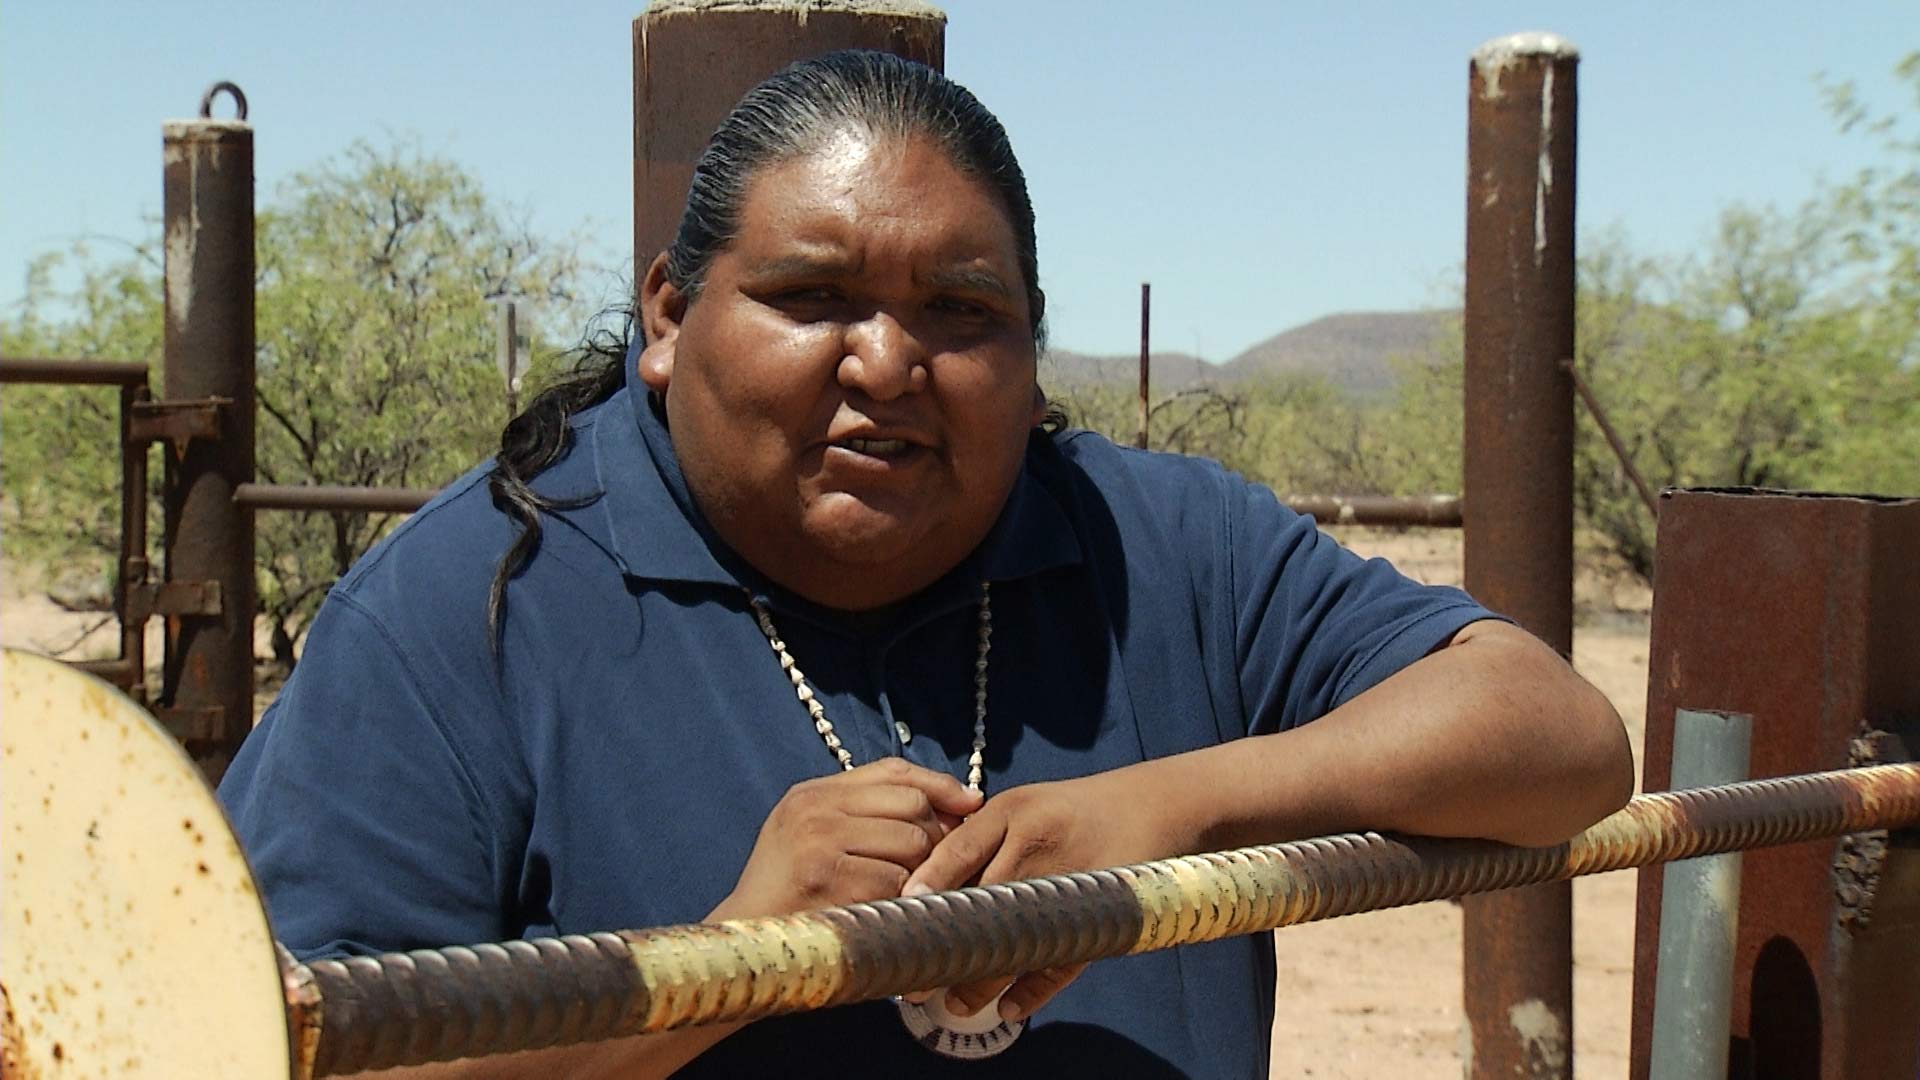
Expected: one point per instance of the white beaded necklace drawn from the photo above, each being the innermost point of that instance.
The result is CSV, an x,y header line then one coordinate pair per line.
x,y
976,762
931,1024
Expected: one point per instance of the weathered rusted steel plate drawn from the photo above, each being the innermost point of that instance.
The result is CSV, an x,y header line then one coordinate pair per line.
x,y
135,943
1803,611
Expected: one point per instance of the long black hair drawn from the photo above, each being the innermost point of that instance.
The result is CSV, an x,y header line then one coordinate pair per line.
x,y
794,113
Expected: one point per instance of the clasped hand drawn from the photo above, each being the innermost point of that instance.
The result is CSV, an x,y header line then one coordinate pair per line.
x,y
892,828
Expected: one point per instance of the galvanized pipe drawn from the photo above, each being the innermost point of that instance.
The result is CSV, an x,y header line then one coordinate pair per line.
x,y
371,500
34,369
1519,479
207,689
1433,511
1699,912
437,1005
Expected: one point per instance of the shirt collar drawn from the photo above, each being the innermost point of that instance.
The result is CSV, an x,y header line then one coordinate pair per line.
x,y
657,533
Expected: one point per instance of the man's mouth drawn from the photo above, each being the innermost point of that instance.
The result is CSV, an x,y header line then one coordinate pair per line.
x,y
876,447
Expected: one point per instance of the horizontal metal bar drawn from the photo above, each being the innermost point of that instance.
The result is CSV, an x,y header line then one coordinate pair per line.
x,y
441,1004
1433,511
372,500
120,672
18,369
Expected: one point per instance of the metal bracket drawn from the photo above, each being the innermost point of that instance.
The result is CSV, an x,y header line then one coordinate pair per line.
x,y
192,725
177,422
173,598
1860,858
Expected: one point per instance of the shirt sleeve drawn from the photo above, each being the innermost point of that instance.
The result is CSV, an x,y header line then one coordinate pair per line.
x,y
362,821
1315,624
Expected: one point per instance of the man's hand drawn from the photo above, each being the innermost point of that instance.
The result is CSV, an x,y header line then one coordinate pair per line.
x,y
1034,831
846,838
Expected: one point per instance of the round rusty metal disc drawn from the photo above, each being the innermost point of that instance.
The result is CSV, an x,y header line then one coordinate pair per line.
x,y
135,941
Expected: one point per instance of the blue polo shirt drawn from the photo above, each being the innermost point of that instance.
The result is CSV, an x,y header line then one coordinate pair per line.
x,y
612,764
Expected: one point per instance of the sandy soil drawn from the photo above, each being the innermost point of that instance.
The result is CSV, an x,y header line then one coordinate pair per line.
x,y
1362,997
1378,995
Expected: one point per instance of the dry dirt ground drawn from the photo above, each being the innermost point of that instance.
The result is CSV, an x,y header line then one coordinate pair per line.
x,y
1363,997
1378,995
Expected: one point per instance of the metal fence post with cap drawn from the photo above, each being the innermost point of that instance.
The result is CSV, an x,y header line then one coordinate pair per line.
x,y
693,59
1519,491
206,696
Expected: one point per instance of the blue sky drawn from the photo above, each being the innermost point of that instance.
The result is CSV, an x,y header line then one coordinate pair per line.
x,y
1261,163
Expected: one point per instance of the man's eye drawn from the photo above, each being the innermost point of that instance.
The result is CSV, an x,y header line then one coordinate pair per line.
x,y
811,303
957,307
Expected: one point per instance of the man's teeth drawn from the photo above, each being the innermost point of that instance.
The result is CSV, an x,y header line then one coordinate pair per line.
x,y
875,446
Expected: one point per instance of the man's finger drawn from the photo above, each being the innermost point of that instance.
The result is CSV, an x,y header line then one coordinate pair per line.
x,y
947,794
960,856
1035,989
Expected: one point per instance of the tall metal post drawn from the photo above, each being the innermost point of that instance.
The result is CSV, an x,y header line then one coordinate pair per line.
x,y
693,59
1519,490
207,684
1802,610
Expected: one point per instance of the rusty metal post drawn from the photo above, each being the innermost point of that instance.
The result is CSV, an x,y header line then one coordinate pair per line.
x,y
132,572
1803,611
1519,490
1146,408
207,681
693,59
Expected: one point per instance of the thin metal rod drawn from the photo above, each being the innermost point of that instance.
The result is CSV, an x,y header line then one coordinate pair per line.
x,y
133,568
1146,408
371,500
1432,511
1599,415
34,369
438,1005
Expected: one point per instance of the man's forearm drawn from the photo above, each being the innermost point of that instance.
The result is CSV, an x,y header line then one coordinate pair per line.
x,y
1491,736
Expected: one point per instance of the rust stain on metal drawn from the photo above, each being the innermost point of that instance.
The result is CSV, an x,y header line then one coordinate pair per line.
x,y
1518,467
172,598
693,60
13,1050
1434,511
178,423
1827,611
304,1012
331,497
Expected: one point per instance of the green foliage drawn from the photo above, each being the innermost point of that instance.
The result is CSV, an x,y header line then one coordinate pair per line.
x,y
1787,355
376,347
60,475
375,327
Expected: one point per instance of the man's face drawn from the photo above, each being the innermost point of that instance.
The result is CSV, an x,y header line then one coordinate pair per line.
x,y
850,394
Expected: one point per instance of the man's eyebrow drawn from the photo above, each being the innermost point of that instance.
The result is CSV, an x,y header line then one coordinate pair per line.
x,y
970,279
799,266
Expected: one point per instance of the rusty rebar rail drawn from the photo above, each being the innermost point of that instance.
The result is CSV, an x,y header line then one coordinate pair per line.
x,y
437,1005
372,500
1433,511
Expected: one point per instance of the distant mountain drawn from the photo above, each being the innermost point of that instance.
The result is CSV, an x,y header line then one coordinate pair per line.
x,y
1353,350
1173,370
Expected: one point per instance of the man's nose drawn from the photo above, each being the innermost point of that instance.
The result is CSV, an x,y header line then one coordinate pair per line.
x,y
883,358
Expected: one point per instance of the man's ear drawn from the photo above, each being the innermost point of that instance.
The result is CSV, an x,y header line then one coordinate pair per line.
x,y
662,307
1039,406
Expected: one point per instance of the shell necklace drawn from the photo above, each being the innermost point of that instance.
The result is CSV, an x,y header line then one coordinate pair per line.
x,y
932,1024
